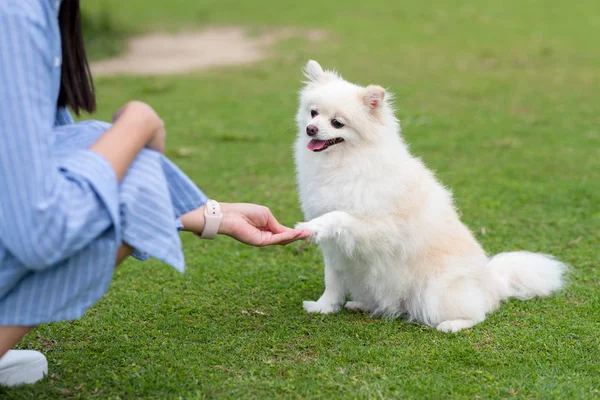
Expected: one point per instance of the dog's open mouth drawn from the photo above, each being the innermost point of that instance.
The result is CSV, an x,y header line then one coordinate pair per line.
x,y
317,145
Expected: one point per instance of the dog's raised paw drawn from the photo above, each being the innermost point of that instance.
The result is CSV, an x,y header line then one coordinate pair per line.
x,y
311,227
320,308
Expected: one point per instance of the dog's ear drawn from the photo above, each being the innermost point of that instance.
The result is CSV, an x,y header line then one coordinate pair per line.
x,y
313,72
373,96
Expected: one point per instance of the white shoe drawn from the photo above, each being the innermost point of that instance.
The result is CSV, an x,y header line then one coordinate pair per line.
x,y
19,367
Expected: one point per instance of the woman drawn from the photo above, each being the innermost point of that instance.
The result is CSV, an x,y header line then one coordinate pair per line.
x,y
76,199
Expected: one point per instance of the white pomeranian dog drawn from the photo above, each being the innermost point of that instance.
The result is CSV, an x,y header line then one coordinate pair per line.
x,y
390,235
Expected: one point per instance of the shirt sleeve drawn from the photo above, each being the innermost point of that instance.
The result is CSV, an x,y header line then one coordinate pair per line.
x,y
51,205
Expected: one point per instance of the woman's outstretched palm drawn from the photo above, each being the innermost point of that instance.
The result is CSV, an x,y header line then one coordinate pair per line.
x,y
255,225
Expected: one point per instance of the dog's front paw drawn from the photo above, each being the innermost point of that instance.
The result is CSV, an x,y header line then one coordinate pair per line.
x,y
315,227
320,307
328,226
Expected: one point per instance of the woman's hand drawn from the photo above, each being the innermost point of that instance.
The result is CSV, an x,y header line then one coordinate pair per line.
x,y
255,225
137,112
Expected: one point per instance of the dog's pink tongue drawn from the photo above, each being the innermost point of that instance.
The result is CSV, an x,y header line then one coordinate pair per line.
x,y
316,144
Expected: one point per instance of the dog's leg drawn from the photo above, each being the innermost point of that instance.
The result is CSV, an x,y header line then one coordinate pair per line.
x,y
341,227
327,226
332,299
461,305
456,325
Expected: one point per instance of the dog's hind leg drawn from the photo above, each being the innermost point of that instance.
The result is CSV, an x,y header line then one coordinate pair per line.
x,y
456,325
461,306
358,306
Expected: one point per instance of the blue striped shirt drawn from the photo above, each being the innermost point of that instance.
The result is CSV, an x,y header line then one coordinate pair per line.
x,y
63,212
49,207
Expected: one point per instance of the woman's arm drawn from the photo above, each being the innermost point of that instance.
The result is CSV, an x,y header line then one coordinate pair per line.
x,y
135,126
250,224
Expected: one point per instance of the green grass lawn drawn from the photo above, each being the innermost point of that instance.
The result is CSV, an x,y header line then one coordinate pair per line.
x,y
500,98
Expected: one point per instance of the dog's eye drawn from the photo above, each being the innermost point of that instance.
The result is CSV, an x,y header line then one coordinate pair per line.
x,y
336,124
313,113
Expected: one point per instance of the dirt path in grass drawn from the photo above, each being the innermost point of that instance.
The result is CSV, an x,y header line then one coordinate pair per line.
x,y
160,53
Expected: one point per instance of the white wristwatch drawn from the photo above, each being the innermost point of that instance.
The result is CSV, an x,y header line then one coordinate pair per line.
x,y
212,220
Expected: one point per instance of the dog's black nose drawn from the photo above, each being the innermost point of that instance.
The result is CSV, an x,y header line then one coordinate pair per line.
x,y
312,130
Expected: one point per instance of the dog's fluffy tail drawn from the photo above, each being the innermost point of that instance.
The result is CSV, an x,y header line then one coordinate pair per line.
x,y
525,275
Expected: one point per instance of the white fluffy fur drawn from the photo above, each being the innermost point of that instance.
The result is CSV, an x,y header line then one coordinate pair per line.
x,y
390,235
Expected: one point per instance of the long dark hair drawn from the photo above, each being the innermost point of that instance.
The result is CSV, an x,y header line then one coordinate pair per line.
x,y
77,86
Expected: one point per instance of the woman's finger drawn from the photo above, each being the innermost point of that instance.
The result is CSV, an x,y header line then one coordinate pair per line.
x,y
285,237
273,225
